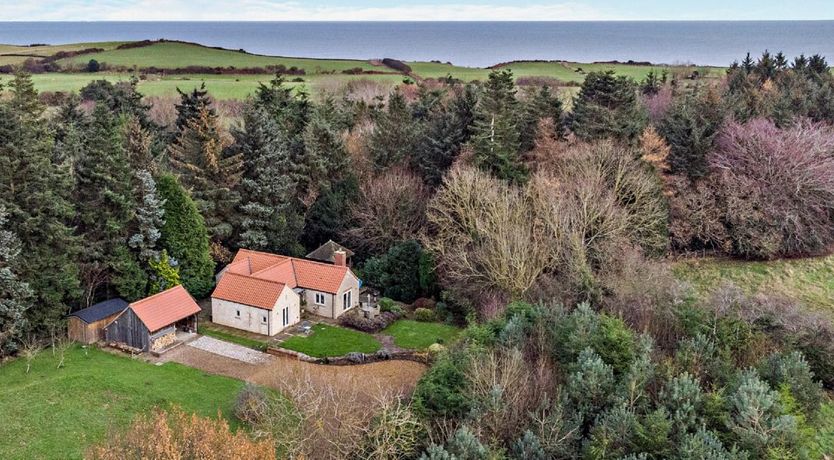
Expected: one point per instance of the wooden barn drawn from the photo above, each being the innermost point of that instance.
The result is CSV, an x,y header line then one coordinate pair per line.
x,y
87,325
151,324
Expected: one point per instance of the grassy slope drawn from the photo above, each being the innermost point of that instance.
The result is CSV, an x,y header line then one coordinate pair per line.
x,y
415,335
810,280
47,50
332,341
173,55
56,413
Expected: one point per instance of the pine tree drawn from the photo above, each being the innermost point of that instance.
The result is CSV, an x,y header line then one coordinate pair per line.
x,y
542,105
690,129
394,135
138,144
269,218
496,133
608,106
326,156
149,218
35,193
165,273
15,295
328,218
105,203
210,172
185,238
191,105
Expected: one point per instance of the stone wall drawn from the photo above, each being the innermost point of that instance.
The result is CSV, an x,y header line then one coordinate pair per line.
x,y
353,358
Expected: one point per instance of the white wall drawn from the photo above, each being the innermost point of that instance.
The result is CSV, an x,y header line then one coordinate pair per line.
x,y
251,318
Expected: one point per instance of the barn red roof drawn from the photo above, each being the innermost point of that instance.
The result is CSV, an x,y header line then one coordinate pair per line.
x,y
167,307
251,270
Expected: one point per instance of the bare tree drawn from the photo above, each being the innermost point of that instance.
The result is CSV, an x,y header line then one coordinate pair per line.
x,y
30,348
62,345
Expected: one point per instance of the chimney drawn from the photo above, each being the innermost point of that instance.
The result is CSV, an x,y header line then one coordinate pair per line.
x,y
339,258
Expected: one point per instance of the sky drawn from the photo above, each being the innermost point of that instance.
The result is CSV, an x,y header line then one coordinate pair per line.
x,y
414,10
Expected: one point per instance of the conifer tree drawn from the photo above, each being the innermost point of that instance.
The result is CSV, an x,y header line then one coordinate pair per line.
x,y
191,105
138,143
15,295
185,238
106,205
496,133
394,134
690,129
269,218
542,105
210,173
35,194
607,106
150,217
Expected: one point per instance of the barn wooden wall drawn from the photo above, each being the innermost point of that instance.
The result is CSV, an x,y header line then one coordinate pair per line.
x,y
128,329
82,332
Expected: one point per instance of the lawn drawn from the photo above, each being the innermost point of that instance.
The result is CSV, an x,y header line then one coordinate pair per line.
x,y
328,341
57,413
232,337
416,335
810,280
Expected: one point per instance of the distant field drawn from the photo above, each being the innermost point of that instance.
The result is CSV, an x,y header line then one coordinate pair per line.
x,y
810,280
319,73
56,413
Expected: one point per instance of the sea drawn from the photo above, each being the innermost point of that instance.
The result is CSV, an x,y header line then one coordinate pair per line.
x,y
477,44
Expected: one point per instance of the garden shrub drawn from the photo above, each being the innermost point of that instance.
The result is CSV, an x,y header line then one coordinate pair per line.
x,y
424,315
356,319
441,391
583,328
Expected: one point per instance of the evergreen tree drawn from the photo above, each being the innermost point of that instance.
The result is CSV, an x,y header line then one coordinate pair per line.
x,y
290,111
607,106
121,98
185,238
394,135
149,218
165,273
747,64
105,204
138,144
210,172
328,218
496,138
542,105
34,191
15,294
690,128
651,84
269,217
326,156
191,105
68,129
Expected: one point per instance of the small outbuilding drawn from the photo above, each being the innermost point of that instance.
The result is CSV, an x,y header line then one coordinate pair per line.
x,y
333,253
151,324
87,325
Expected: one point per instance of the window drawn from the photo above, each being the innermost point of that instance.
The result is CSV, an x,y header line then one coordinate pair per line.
x,y
237,314
263,319
319,298
285,315
347,299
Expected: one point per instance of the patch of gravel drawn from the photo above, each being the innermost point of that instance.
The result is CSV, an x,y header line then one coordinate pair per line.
x,y
229,350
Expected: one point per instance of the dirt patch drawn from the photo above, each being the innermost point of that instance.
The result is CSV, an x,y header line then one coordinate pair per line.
x,y
395,376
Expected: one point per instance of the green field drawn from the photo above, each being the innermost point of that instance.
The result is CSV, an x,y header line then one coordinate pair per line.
x,y
810,280
320,74
57,413
327,341
416,335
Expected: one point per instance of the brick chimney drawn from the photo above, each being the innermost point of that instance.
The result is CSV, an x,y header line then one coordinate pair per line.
x,y
339,258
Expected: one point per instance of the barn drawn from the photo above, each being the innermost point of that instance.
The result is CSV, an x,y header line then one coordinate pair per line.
x,y
87,325
152,324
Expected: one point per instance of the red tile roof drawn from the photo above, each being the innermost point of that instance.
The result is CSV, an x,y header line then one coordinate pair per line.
x,y
248,290
167,307
250,270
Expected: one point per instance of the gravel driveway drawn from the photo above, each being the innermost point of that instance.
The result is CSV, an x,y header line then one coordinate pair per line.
x,y
229,350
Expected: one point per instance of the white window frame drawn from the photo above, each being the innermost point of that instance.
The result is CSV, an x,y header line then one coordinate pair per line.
x,y
320,298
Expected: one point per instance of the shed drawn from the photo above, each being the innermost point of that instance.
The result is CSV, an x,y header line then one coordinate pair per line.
x,y
87,325
151,324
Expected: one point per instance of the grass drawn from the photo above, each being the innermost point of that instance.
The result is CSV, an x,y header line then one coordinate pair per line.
x,y
260,345
168,55
57,413
810,280
329,341
220,86
416,335
48,50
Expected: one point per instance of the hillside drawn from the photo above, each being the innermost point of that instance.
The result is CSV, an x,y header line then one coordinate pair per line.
x,y
242,71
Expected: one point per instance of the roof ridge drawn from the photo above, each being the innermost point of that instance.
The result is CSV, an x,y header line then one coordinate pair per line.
x,y
157,295
252,276
269,267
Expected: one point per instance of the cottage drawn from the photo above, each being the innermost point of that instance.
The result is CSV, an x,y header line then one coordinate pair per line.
x,y
151,324
87,325
264,293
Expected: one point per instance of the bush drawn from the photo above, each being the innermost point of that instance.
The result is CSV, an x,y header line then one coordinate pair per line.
x,y
356,319
775,187
397,272
424,314
441,391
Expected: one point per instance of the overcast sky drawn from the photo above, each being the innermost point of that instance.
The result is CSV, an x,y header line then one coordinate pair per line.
x,y
396,10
